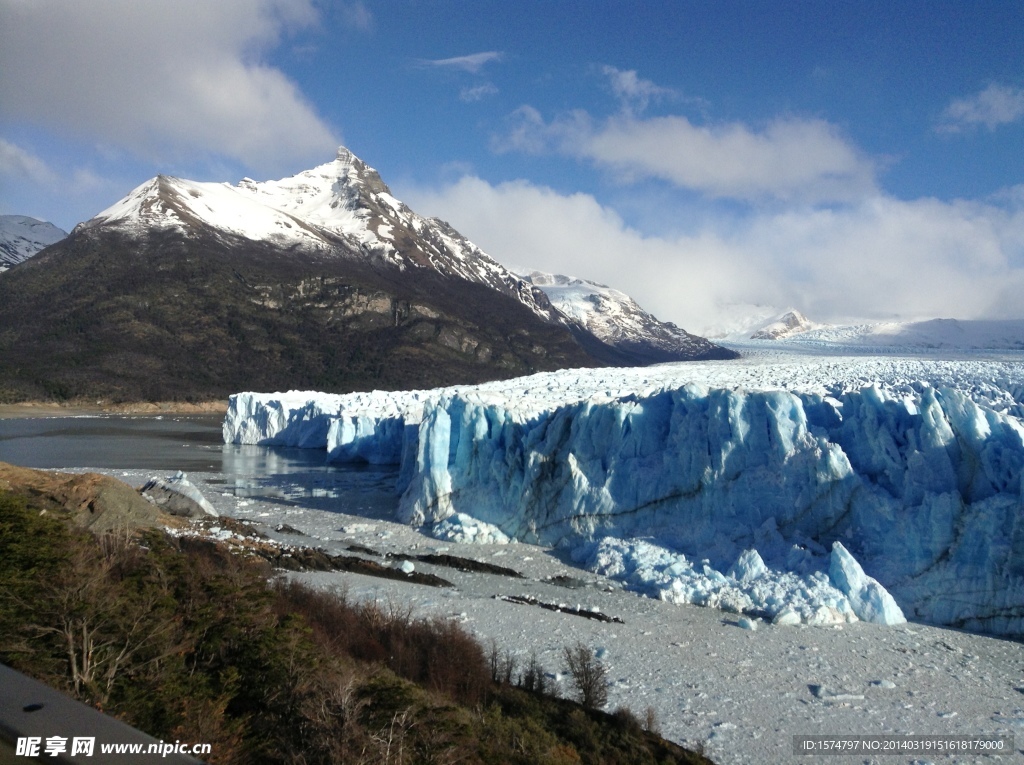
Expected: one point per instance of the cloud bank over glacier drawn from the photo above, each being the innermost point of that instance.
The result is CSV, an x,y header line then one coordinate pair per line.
x,y
716,214
876,258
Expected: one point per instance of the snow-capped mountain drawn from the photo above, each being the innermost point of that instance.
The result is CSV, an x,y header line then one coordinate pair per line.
x,y
930,335
747,327
341,207
22,237
953,335
323,279
616,319
792,322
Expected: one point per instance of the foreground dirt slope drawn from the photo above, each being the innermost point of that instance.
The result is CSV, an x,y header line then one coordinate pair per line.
x,y
96,502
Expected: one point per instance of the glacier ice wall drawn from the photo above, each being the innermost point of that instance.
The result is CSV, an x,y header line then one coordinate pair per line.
x,y
923,486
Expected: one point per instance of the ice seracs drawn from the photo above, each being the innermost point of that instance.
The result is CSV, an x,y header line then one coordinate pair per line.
x,y
868,598
678,479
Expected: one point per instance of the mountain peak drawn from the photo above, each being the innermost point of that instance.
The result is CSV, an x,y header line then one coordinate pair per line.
x,y
791,322
21,237
618,321
341,208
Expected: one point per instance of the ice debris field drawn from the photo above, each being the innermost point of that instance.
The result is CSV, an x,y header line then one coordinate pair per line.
x,y
790,488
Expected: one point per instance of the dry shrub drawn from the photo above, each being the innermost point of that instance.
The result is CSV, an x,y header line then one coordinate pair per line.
x,y
435,653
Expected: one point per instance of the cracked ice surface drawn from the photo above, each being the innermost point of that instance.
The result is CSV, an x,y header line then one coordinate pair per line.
x,y
914,464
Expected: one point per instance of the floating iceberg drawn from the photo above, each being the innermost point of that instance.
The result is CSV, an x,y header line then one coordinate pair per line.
x,y
920,480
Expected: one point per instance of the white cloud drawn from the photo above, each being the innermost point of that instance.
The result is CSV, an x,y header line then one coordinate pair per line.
x,y
878,258
790,159
528,132
20,165
472,63
38,188
994,106
162,79
357,15
634,92
470,95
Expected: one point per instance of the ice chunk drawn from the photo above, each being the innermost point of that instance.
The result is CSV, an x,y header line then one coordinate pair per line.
x,y
748,567
869,599
178,496
467,529
786,618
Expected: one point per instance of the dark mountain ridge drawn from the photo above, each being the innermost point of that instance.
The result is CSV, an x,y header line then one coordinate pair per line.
x,y
171,318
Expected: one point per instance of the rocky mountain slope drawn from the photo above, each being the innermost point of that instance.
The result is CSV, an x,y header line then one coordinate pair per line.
x,y
22,237
616,319
188,291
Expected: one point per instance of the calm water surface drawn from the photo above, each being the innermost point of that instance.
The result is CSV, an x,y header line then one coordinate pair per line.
x,y
193,444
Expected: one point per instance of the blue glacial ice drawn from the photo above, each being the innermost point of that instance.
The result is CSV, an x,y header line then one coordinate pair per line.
x,y
822,506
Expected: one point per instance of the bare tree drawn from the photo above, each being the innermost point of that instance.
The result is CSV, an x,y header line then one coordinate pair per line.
x,y
651,724
101,631
532,677
588,675
502,664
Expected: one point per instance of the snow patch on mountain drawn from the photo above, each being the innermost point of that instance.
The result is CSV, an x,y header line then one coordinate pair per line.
x,y
914,465
166,203
21,237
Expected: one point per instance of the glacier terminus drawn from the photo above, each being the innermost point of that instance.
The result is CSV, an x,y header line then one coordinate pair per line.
x,y
789,487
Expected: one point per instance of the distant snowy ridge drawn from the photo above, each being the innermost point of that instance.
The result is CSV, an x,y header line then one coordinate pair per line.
x,y
615,318
915,472
792,322
737,320
931,335
22,237
795,329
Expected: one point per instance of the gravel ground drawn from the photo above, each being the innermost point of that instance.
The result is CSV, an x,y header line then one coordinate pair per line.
x,y
741,694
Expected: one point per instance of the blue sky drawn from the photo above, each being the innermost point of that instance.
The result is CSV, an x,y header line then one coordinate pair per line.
x,y
854,160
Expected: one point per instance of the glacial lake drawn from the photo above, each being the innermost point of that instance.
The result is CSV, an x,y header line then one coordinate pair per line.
x,y
166,444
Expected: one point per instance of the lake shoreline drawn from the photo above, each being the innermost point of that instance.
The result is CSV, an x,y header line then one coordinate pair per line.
x,y
78,409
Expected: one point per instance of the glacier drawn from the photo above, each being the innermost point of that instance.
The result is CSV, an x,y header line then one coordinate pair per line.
x,y
860,489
